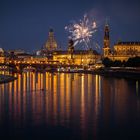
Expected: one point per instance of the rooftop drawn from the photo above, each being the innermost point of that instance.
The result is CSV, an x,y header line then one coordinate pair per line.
x,y
76,52
128,43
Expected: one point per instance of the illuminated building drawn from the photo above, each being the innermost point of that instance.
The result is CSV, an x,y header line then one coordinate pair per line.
x,y
22,56
106,47
36,59
50,54
69,56
16,52
122,50
1,51
78,57
2,58
51,43
126,50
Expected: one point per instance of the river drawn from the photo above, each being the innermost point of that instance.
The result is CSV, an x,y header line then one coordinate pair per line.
x,y
69,107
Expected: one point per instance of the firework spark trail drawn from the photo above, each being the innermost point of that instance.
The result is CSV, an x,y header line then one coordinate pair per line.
x,y
82,31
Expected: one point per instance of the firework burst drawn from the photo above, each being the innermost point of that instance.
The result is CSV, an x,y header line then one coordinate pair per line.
x,y
82,31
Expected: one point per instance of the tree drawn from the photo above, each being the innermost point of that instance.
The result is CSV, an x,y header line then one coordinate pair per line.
x,y
133,62
117,63
107,62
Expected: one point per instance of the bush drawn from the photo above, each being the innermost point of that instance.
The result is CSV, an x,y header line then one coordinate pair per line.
x,y
117,63
107,62
133,62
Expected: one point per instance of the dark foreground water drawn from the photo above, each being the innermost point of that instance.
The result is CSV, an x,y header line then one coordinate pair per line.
x,y
69,107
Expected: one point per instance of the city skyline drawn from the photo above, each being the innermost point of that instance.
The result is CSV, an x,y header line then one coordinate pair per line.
x,y
25,24
69,69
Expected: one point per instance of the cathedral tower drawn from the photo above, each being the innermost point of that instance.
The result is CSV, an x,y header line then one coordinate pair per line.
x,y
106,47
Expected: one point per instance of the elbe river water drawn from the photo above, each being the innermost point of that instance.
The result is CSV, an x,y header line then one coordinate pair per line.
x,y
69,107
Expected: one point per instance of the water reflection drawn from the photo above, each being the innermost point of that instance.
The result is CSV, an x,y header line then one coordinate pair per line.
x,y
85,103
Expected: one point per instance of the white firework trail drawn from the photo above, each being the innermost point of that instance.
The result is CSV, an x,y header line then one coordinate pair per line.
x,y
82,31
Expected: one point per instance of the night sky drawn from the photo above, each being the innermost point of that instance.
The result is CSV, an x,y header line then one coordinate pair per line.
x,y
24,24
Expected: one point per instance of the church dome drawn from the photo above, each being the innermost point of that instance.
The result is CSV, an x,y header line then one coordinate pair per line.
x,y
51,43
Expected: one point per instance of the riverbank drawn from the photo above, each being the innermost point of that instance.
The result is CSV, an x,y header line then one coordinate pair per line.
x,y
119,73
109,72
6,78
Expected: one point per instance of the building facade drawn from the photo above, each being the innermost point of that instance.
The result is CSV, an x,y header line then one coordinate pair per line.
x,y
127,48
77,57
121,51
2,58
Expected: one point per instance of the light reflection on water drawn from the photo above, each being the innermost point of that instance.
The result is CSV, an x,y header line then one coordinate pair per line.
x,y
85,103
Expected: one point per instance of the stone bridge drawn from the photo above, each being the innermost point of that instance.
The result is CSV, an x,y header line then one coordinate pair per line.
x,y
20,66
